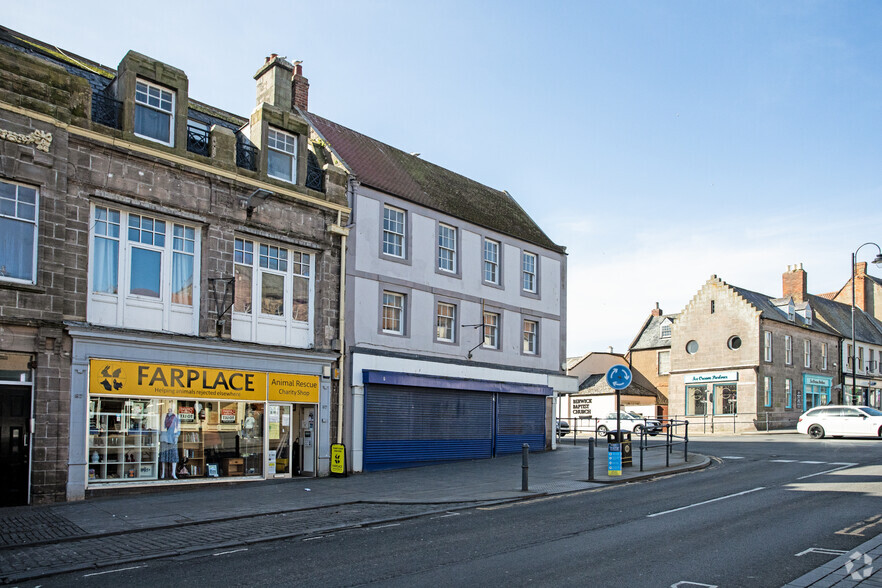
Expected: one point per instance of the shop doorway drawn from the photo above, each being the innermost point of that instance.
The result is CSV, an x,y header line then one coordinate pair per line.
x,y
15,416
290,440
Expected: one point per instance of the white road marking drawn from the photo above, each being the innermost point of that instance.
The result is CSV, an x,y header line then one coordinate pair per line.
x,y
229,552
813,462
782,460
845,463
820,550
113,571
658,514
732,457
444,516
825,472
318,537
687,583
386,526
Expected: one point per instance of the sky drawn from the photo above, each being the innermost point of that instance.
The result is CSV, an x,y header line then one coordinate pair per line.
x,y
659,142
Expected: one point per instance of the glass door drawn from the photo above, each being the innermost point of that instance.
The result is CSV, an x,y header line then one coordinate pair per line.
x,y
278,458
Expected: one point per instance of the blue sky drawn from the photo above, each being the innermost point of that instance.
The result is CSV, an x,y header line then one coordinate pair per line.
x,y
660,142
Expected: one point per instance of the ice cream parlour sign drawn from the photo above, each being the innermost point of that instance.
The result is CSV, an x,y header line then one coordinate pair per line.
x,y
130,378
713,377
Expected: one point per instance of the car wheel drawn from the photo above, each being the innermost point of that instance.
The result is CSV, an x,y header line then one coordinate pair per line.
x,y
638,429
816,432
601,430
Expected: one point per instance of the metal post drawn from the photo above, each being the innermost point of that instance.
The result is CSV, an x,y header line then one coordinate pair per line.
x,y
642,445
669,443
591,459
525,467
686,443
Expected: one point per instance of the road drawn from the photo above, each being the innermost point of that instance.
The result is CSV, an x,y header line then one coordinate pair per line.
x,y
765,513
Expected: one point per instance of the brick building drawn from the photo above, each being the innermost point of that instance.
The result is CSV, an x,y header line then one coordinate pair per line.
x,y
169,278
649,355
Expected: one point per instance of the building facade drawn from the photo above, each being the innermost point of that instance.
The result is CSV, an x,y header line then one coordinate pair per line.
x,y
649,356
169,279
456,324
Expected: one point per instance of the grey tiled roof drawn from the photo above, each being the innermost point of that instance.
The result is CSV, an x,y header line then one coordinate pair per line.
x,y
836,316
596,384
765,304
650,336
393,171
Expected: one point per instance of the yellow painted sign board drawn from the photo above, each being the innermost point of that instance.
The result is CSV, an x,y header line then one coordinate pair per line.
x,y
292,388
338,459
130,378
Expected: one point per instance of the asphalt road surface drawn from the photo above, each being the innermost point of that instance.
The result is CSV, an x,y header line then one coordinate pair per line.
x,y
770,509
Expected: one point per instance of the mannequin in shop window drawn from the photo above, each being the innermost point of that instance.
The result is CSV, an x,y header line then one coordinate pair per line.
x,y
168,446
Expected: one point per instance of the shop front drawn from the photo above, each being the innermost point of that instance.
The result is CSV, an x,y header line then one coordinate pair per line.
x,y
816,390
712,394
178,422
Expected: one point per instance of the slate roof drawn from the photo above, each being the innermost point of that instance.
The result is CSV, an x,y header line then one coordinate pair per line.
x,y
597,384
836,316
412,178
765,304
650,336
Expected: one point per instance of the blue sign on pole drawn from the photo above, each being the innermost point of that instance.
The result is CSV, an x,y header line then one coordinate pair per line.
x,y
618,377
614,459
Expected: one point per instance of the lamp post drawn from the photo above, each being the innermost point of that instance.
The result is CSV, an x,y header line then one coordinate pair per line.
x,y
878,263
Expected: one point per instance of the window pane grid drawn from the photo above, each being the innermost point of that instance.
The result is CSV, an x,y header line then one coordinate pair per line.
x,y
282,142
491,261
107,222
447,248
243,252
530,330
393,232
153,96
446,321
491,330
143,229
274,258
529,263
393,307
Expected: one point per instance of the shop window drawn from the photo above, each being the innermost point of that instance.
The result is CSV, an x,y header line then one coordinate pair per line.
x,y
447,248
281,162
144,271
273,294
725,399
445,322
697,400
139,439
531,336
491,330
18,233
154,113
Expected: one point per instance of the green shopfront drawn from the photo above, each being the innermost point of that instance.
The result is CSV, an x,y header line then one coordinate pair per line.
x,y
816,391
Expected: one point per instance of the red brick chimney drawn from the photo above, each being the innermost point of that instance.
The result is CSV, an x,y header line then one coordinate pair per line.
x,y
860,285
795,282
299,88
656,311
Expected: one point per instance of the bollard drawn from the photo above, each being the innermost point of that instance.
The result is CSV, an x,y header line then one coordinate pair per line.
x,y
686,443
591,459
525,466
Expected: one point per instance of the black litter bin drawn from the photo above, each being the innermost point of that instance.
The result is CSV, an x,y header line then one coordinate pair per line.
x,y
623,437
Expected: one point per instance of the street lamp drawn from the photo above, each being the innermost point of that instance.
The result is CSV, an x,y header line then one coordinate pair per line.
x,y
878,263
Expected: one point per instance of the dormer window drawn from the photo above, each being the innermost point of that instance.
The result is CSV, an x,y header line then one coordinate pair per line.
x,y
791,314
665,331
154,113
281,162
808,315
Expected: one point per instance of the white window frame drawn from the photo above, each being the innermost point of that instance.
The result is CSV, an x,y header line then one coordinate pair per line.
x,y
125,308
446,248
394,232
823,356
491,330
262,259
171,112
17,216
284,143
664,331
491,257
449,320
788,350
529,275
396,303
767,346
871,360
807,352
530,338
860,359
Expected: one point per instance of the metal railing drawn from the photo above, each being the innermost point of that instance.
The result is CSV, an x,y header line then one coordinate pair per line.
x,y
246,156
198,141
676,433
106,110
743,422
315,176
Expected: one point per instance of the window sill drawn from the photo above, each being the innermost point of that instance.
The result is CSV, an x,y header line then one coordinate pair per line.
x,y
22,287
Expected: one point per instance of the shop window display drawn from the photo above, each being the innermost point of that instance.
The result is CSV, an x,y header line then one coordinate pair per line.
x,y
160,439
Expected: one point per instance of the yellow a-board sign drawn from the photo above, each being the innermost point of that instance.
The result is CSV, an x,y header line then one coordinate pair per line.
x,y
338,460
132,378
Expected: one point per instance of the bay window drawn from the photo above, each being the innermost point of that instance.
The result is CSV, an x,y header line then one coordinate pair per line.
x,y
143,271
273,294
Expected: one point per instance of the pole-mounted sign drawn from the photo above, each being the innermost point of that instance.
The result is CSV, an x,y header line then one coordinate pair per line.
x,y
618,377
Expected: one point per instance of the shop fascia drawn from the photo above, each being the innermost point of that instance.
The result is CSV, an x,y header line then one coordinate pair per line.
x,y
711,378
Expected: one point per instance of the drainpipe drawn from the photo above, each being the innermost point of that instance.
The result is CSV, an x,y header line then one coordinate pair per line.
x,y
339,229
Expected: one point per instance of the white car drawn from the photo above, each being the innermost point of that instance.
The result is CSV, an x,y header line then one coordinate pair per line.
x,y
629,421
841,421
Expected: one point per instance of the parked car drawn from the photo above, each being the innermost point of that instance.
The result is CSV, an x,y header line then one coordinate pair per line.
x,y
841,421
630,421
563,428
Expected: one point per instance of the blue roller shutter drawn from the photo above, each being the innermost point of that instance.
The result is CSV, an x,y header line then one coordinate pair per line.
x,y
520,418
409,426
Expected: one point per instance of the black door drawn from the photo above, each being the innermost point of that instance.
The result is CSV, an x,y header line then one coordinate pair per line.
x,y
15,413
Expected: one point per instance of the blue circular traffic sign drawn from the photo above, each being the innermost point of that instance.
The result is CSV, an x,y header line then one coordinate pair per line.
x,y
618,377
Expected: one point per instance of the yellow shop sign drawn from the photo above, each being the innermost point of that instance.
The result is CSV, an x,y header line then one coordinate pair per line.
x,y
130,378
292,388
